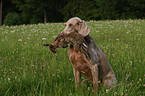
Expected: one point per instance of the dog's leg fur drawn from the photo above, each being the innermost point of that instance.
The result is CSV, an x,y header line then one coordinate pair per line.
x,y
77,77
94,70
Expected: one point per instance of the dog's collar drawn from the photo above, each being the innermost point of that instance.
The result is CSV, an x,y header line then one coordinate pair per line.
x,y
86,36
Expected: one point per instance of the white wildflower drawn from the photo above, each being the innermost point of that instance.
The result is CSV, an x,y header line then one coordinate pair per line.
x,y
19,39
97,31
43,38
107,90
12,31
54,36
115,92
117,39
88,88
140,79
9,79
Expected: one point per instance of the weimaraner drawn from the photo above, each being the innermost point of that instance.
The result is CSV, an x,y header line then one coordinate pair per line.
x,y
97,67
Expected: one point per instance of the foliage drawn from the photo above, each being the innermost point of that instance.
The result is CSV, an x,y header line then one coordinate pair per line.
x,y
32,11
28,69
39,11
12,19
84,9
104,9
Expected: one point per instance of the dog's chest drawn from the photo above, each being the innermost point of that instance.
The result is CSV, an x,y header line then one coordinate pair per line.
x,y
79,62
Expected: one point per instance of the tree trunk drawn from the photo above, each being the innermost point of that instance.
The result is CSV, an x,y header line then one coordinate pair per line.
x,y
1,13
45,16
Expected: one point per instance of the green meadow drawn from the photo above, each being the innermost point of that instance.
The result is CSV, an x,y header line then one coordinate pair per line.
x,y
29,69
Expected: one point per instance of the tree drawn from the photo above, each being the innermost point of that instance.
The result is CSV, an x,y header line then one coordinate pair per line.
x,y
39,11
107,9
85,9
1,13
137,8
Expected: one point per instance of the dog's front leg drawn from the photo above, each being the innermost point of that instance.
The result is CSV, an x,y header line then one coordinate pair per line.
x,y
77,77
94,70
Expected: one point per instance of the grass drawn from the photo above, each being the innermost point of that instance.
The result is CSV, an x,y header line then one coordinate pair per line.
x,y
29,69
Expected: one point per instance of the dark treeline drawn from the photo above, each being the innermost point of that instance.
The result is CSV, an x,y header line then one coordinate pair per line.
x,y
40,11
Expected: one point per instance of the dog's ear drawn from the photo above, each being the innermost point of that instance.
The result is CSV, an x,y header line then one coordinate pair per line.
x,y
84,29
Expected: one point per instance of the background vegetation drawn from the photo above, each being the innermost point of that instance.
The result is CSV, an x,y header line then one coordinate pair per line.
x,y
29,69
38,11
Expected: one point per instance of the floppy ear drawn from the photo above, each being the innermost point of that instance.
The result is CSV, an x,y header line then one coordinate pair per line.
x,y
84,29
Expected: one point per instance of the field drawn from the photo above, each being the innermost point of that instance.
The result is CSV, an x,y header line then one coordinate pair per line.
x,y
29,69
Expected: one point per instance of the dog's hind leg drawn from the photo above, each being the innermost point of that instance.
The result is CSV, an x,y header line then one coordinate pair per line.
x,y
110,80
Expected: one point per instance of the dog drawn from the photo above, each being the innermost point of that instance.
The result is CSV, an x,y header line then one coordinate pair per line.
x,y
97,67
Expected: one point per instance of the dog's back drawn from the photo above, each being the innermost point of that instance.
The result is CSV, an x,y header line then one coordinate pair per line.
x,y
106,73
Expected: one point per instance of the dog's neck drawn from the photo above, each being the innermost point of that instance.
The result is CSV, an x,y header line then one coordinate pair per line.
x,y
86,39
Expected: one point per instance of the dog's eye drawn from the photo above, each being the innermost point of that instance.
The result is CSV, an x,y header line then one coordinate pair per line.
x,y
70,25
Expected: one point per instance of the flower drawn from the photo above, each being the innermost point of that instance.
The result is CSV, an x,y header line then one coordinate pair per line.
x,y
19,39
42,66
12,31
88,88
140,79
107,90
9,79
43,38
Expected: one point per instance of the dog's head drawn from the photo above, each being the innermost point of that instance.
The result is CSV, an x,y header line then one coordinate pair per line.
x,y
76,25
